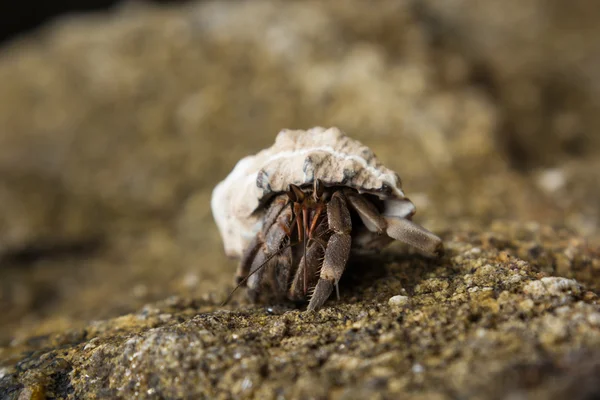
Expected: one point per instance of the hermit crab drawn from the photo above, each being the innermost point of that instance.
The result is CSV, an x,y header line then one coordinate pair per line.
x,y
293,212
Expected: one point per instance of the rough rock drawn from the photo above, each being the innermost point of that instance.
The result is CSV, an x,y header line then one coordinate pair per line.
x,y
540,60
117,126
480,323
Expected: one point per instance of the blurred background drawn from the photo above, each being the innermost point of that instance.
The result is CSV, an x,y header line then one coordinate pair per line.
x,y
116,124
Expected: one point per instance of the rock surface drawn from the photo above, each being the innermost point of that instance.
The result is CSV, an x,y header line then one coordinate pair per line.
x,y
480,322
116,127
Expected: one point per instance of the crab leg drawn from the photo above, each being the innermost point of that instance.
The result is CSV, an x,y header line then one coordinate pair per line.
x,y
262,260
256,280
299,225
337,251
305,268
247,259
367,212
281,275
250,253
308,266
401,229
415,235
315,220
311,237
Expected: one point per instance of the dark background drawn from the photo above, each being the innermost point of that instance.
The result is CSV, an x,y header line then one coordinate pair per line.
x,y
23,16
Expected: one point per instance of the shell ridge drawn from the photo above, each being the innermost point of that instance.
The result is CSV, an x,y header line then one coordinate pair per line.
x,y
390,177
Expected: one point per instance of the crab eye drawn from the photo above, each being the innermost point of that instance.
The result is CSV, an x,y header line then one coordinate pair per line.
x,y
318,189
290,194
295,194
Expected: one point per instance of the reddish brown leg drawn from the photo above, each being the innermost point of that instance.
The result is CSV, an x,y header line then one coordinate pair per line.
x,y
315,220
287,227
297,214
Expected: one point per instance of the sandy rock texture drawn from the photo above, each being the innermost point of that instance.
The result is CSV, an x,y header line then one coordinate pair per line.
x,y
479,323
116,126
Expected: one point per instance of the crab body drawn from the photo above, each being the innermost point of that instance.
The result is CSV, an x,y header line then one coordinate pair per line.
x,y
294,211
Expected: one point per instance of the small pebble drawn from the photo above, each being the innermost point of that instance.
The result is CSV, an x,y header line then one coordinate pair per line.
x,y
552,180
594,319
418,369
399,301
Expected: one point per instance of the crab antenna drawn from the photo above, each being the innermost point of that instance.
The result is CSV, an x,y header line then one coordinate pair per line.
x,y
261,266
305,223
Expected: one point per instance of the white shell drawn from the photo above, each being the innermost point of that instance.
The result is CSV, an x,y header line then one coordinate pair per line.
x,y
299,157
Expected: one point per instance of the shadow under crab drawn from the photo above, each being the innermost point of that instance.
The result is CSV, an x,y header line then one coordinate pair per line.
x,y
306,238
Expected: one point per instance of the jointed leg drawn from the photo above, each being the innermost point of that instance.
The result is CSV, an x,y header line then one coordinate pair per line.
x,y
258,279
261,261
312,260
250,253
282,273
247,259
367,212
337,251
411,233
400,229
